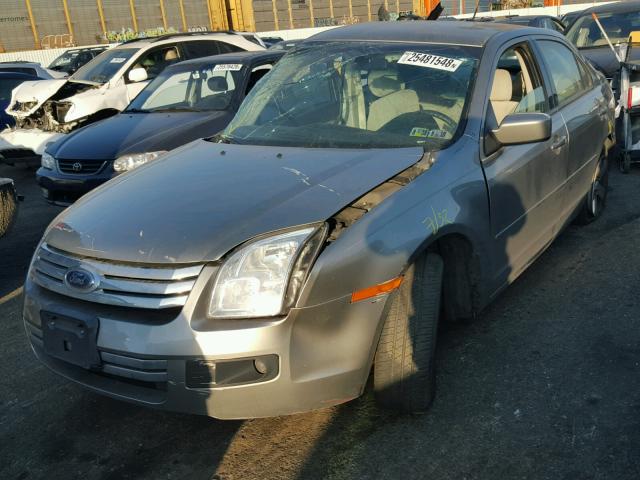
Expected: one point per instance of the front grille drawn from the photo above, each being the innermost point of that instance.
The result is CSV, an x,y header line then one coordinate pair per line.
x,y
81,167
125,285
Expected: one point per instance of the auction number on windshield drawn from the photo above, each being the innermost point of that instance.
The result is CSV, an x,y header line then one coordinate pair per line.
x,y
430,61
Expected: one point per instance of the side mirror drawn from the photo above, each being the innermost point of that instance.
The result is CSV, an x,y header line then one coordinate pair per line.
x,y
519,128
137,75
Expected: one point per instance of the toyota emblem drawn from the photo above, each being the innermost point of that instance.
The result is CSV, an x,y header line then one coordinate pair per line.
x,y
77,167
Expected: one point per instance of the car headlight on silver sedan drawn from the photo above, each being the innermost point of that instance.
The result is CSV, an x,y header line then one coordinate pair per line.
x,y
264,277
134,160
47,161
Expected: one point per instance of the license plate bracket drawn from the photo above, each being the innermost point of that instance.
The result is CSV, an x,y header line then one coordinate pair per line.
x,y
71,339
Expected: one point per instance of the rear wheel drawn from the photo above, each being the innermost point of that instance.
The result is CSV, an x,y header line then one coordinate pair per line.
x,y
404,369
597,196
8,205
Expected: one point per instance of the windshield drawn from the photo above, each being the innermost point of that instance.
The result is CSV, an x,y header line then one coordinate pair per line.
x,y
203,88
584,32
71,60
359,96
104,66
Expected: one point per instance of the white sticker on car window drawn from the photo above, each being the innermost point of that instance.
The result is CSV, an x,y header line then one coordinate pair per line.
x,y
233,67
426,133
118,60
430,61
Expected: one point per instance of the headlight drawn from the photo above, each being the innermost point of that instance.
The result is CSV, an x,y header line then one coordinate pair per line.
x,y
264,277
47,161
129,162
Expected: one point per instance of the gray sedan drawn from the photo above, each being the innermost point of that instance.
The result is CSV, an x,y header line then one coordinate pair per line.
x,y
382,178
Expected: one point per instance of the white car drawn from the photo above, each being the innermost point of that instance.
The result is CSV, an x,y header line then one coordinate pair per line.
x,y
46,109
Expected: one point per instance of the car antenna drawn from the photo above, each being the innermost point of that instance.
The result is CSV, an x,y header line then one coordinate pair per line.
x,y
606,37
475,11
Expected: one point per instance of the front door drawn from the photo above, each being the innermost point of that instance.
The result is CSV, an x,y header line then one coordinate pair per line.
x,y
525,182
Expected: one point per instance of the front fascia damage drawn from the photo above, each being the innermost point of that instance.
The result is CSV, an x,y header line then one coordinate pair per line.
x,y
355,210
62,112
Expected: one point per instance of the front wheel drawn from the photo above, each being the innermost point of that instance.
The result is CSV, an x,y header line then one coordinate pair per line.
x,y
404,364
597,196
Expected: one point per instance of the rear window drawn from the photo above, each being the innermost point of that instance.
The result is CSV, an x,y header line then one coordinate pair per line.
x,y
585,33
6,86
28,71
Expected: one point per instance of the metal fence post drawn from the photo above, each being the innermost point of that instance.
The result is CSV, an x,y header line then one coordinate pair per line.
x,y
67,16
183,16
32,21
132,7
163,14
275,14
102,22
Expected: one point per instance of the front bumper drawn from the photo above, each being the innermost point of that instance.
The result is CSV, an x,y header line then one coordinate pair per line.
x,y
21,143
64,189
316,356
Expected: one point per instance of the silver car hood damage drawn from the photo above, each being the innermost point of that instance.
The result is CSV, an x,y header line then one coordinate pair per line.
x,y
203,199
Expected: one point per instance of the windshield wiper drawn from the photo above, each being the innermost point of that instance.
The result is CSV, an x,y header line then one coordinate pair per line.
x,y
220,138
174,109
136,110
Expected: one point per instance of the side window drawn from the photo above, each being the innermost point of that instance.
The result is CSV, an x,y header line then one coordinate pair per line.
x,y
563,70
256,74
228,48
200,48
154,61
516,87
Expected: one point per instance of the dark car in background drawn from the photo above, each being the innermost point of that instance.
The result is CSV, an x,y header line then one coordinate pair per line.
x,y
188,100
74,58
9,81
618,20
538,21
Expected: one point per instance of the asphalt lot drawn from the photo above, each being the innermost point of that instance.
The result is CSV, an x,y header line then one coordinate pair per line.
x,y
544,385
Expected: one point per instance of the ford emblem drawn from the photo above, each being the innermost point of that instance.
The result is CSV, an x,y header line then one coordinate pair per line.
x,y
81,280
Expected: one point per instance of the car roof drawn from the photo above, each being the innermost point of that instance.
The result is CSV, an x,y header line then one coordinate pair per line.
x,y
617,7
20,62
143,42
525,17
19,75
235,57
421,31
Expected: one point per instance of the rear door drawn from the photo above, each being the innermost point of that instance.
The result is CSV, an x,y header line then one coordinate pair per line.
x,y
525,182
584,109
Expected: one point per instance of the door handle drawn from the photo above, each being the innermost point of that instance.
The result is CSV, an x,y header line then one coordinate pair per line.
x,y
559,142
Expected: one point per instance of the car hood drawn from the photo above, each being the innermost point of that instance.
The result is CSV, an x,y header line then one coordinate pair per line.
x,y
604,60
138,133
35,93
201,200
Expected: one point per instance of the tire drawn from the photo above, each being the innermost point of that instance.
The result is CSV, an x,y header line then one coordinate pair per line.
x,y
404,364
8,206
596,200
624,162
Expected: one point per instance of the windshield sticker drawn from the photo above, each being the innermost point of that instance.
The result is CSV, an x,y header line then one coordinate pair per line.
x,y
232,67
430,61
425,133
118,60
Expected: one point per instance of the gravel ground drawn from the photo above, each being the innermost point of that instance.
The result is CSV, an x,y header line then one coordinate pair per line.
x,y
544,385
